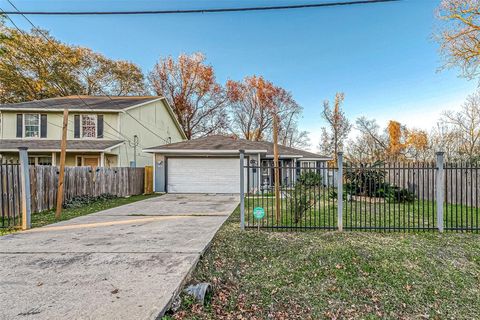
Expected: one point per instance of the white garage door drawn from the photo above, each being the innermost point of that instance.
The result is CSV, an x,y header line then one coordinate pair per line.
x,y
203,175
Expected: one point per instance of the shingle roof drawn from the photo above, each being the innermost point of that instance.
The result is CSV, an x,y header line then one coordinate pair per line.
x,y
54,145
220,142
76,103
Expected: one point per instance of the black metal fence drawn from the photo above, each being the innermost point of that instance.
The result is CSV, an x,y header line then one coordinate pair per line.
x,y
462,193
10,207
376,196
307,197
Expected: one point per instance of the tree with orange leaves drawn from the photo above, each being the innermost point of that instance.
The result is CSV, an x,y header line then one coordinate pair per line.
x,y
406,144
189,84
396,145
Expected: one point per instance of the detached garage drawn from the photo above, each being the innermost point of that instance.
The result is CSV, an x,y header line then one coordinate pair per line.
x,y
210,175
212,164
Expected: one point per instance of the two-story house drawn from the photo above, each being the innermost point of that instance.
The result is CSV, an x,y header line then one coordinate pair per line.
x,y
102,131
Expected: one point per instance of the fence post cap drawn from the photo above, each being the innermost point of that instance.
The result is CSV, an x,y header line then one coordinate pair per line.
x,y
22,148
440,153
340,153
241,151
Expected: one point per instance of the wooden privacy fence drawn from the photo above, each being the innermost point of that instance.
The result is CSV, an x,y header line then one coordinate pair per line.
x,y
461,181
9,194
81,181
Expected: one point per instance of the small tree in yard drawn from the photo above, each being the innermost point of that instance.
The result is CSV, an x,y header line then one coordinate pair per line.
x,y
338,125
303,196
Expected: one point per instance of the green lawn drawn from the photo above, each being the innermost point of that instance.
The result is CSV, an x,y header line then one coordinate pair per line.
x,y
332,275
48,217
375,213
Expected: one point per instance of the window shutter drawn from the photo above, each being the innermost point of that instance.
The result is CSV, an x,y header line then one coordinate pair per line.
x,y
100,126
19,125
76,126
43,126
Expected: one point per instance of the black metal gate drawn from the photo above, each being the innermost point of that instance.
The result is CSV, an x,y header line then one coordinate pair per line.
x,y
10,191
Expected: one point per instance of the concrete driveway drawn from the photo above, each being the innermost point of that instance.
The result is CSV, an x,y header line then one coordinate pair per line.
x,y
122,263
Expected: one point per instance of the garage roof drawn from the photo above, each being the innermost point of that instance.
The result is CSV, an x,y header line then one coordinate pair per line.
x,y
218,144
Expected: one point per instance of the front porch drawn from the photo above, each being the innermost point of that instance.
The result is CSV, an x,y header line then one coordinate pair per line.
x,y
72,159
261,177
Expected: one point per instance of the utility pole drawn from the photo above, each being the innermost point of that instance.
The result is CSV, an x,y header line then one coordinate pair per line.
x,y
276,168
134,146
58,212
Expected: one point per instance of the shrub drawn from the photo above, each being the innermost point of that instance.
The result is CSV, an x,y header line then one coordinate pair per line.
x,y
365,179
302,198
310,179
394,193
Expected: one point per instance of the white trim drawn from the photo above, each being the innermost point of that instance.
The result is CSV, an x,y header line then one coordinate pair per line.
x,y
316,159
114,146
288,156
142,104
197,151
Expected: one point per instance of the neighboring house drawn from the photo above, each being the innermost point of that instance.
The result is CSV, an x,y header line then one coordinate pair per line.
x,y
211,165
102,131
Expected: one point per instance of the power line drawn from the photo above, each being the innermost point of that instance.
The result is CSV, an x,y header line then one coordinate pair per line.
x,y
81,99
213,10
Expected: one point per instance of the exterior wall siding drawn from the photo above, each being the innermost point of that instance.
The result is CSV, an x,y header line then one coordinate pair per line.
x,y
54,124
154,116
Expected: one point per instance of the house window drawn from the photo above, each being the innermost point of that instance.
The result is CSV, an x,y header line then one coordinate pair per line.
x,y
89,126
40,160
308,164
31,125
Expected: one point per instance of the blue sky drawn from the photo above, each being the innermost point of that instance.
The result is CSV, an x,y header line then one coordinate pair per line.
x,y
382,56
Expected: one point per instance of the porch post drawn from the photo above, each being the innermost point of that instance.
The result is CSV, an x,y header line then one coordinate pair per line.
x,y
25,188
54,159
440,190
340,191
102,159
242,190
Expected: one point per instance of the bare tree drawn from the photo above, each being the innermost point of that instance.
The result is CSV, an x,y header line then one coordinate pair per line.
x,y
369,145
338,125
189,84
466,124
253,102
295,138
460,35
